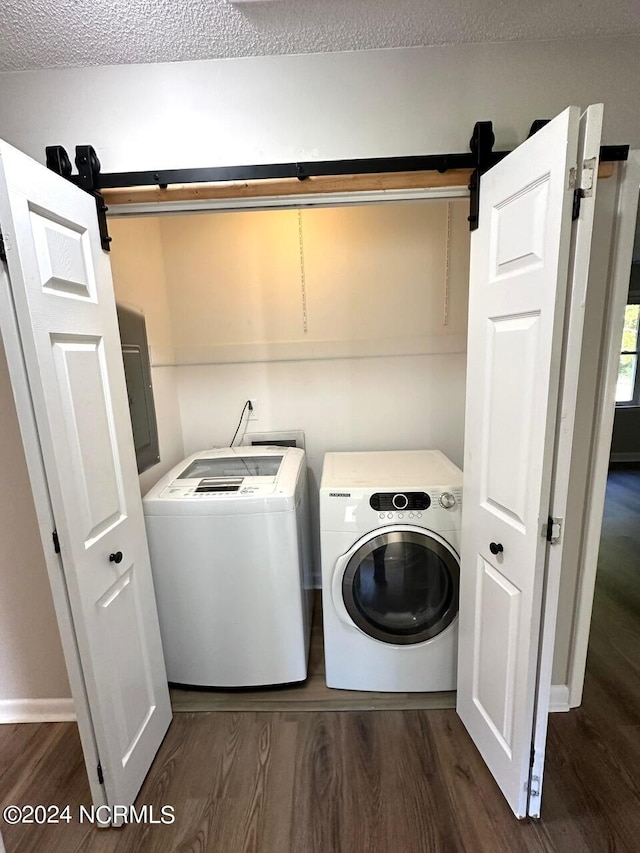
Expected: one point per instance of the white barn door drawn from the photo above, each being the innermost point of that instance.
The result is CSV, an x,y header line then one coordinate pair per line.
x,y
62,294
520,260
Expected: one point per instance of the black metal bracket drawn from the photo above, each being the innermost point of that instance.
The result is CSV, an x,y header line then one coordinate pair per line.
x,y
88,179
58,160
578,195
481,145
537,125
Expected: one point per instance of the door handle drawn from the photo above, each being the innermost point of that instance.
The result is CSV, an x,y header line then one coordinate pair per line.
x,y
115,558
495,547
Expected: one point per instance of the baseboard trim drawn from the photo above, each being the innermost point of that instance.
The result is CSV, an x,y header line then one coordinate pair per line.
x,y
37,711
621,458
559,698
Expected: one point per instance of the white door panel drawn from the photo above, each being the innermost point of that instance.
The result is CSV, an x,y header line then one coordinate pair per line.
x,y
64,304
495,658
519,263
509,382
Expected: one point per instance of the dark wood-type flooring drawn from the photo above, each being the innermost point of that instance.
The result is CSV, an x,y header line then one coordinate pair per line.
x,y
373,782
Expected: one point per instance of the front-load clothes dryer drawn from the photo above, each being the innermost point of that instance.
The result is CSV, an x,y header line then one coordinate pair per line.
x,y
390,542
228,533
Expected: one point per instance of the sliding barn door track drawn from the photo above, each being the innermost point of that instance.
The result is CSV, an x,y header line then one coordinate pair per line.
x,y
480,158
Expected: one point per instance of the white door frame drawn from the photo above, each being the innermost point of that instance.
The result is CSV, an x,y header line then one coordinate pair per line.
x,y
284,202
46,525
582,286
624,221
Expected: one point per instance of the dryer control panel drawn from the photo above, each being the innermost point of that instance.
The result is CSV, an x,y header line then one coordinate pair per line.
x,y
399,501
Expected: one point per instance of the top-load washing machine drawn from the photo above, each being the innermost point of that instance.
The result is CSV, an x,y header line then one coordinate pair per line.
x,y
390,543
230,556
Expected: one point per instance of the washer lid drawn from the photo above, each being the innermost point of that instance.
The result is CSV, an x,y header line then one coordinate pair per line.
x,y
228,481
237,467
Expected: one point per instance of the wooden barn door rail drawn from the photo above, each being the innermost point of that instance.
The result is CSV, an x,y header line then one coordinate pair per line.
x,y
292,187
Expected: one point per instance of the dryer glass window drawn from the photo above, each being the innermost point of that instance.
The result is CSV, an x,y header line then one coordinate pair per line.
x,y
402,587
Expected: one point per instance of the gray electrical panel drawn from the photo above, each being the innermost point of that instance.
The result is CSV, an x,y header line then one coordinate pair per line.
x,y
137,372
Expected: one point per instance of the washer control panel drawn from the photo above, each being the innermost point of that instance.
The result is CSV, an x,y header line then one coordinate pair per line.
x,y
399,501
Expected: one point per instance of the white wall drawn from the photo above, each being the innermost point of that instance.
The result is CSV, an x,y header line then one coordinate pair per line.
x,y
31,662
278,109
324,106
345,404
371,282
137,263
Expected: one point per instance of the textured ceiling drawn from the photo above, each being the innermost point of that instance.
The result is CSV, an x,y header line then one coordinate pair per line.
x,y
54,33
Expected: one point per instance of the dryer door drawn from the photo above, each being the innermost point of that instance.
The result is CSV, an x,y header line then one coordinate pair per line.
x,y
401,586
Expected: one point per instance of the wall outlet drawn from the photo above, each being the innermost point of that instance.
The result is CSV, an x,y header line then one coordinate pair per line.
x,y
253,411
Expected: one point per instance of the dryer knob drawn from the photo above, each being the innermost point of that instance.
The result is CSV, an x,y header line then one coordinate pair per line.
x,y
400,501
447,500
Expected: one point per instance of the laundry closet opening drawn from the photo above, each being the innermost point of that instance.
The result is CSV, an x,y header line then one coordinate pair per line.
x,y
342,315
346,322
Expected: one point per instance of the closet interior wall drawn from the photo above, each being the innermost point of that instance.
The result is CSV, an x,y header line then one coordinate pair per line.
x,y
348,323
